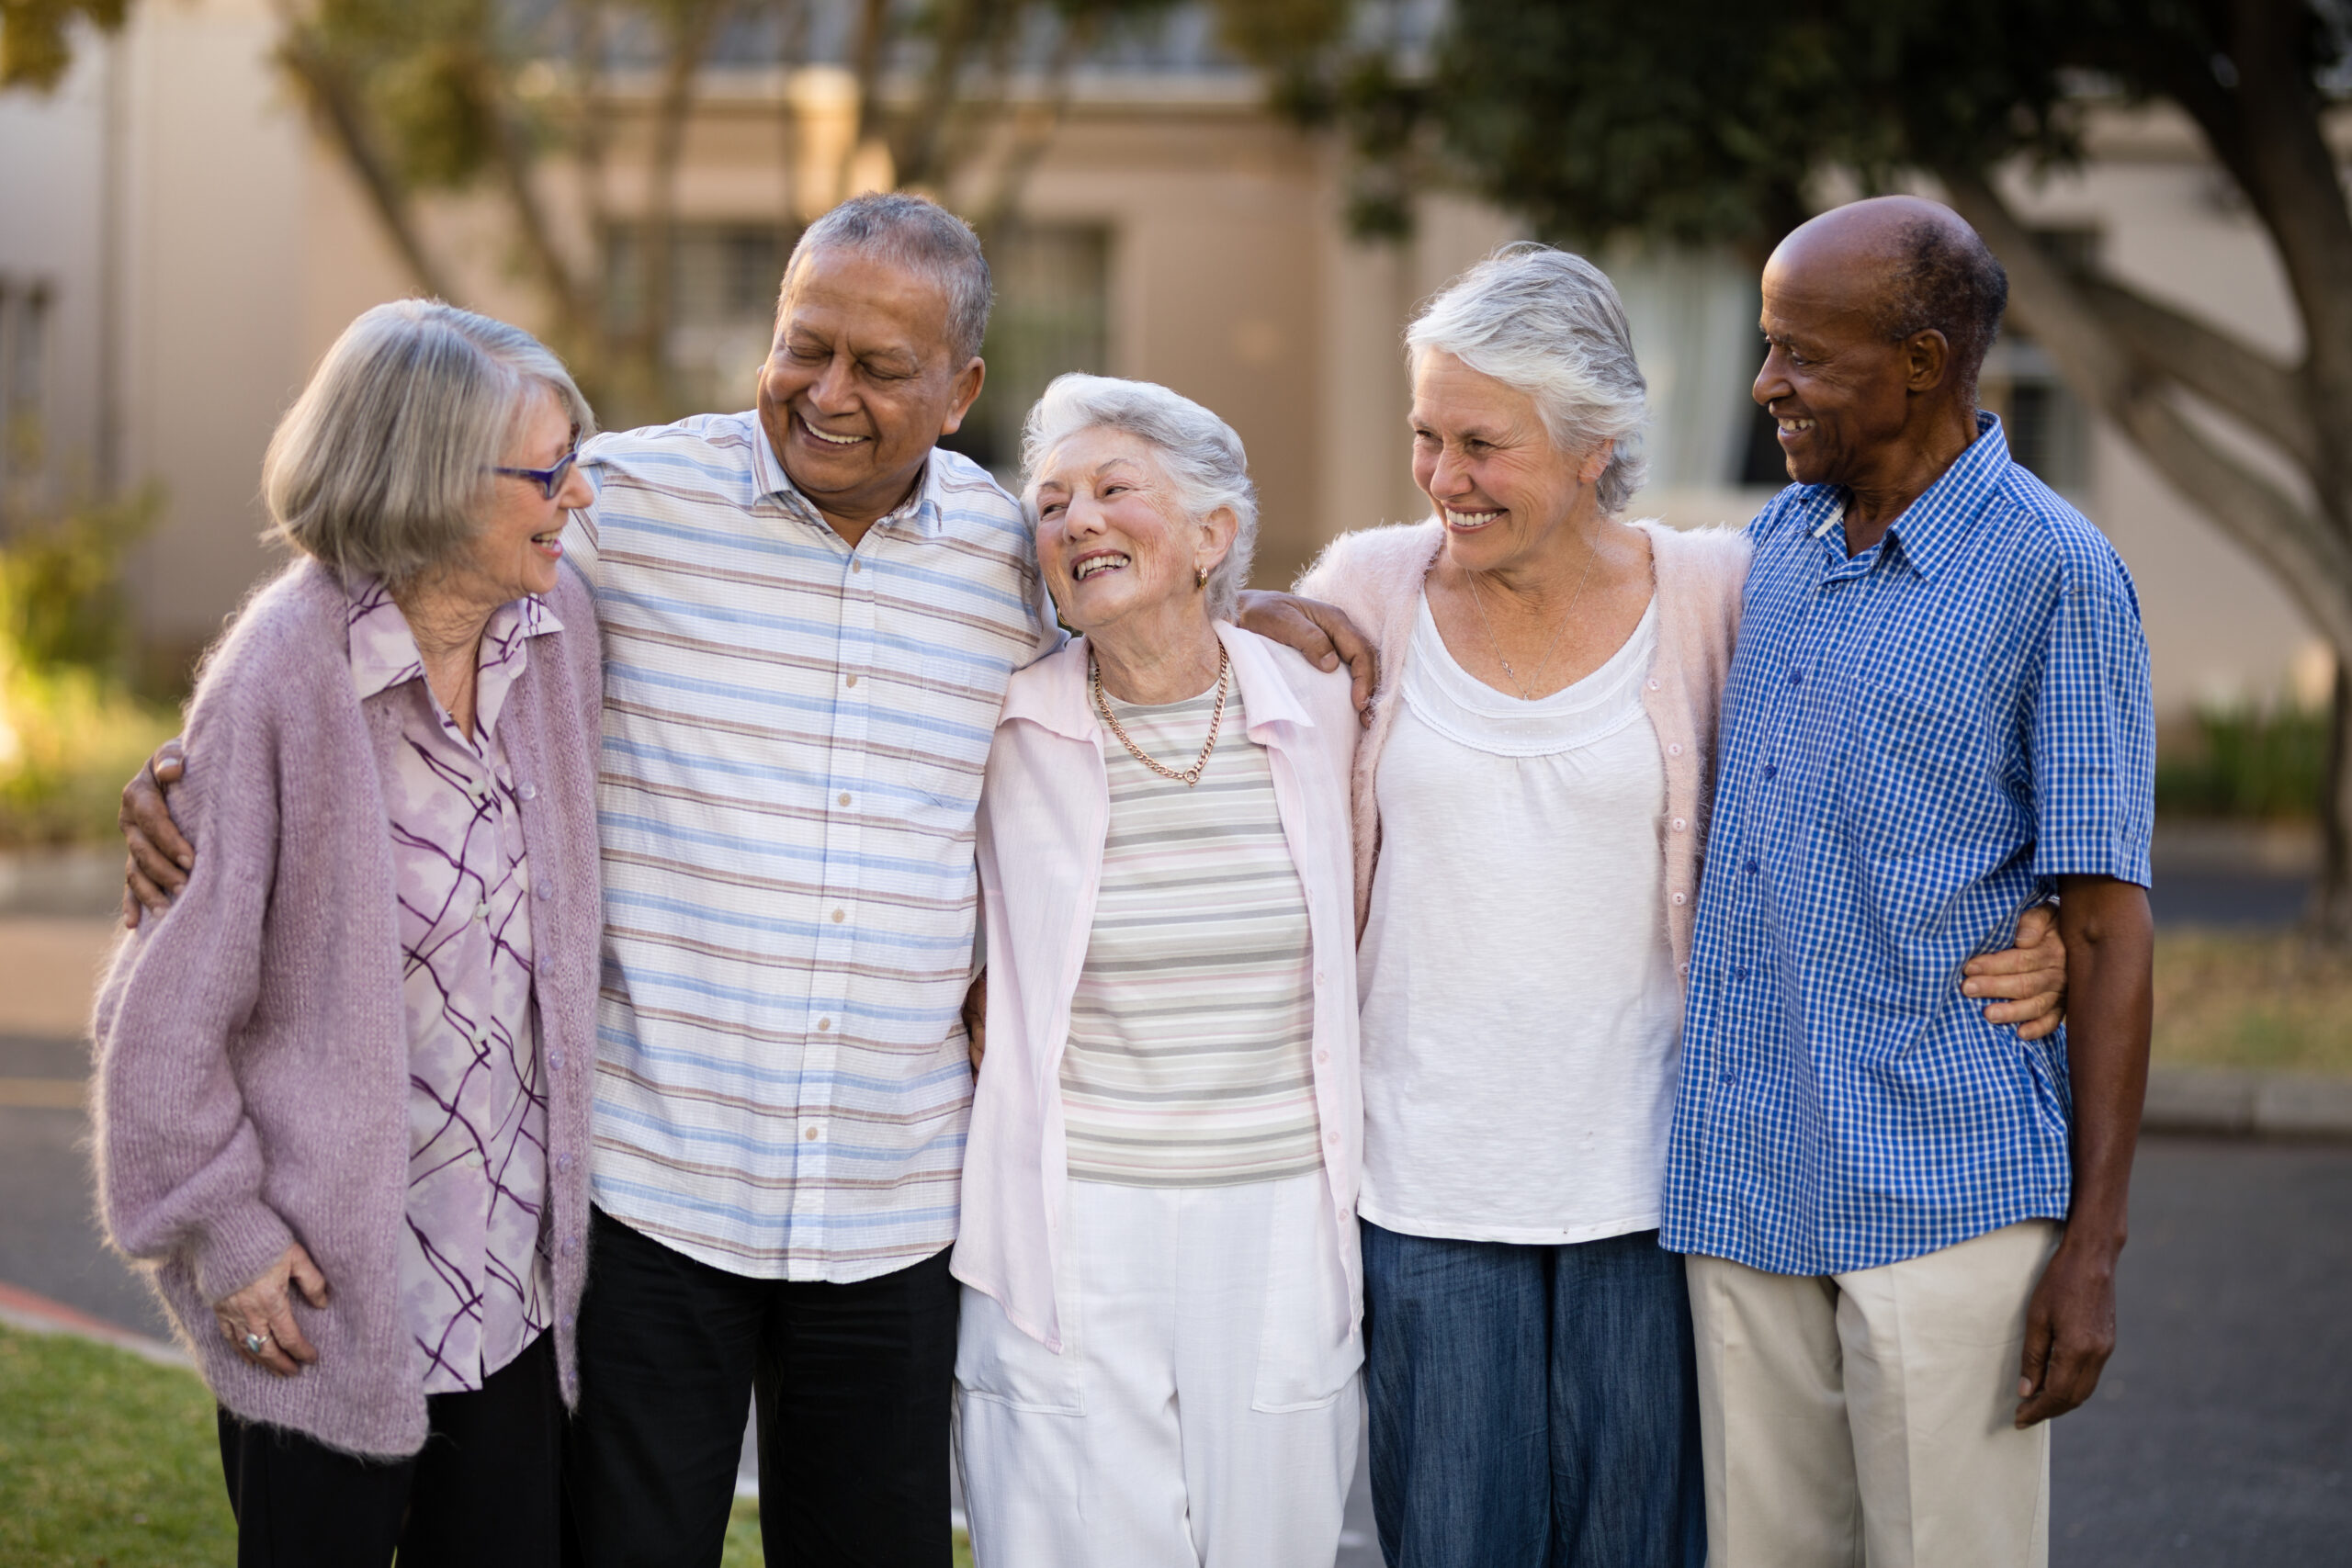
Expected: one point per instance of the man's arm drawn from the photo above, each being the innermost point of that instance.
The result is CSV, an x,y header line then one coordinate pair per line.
x,y
2070,1324
1322,632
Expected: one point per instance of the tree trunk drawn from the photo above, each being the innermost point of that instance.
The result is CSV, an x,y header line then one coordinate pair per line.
x,y
2331,912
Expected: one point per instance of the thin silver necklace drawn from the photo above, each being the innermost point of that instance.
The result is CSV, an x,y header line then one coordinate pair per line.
x,y
1535,676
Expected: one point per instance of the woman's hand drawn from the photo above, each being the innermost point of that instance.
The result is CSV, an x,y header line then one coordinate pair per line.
x,y
2029,979
161,856
263,1309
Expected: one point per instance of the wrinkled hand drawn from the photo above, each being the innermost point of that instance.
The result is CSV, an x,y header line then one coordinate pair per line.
x,y
265,1307
1322,632
976,1018
2030,977
160,857
2069,1332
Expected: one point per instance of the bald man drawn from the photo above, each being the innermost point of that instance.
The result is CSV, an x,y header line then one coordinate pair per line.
x,y
1901,1222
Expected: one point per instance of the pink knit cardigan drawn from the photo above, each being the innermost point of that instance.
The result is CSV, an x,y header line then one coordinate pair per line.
x,y
252,1079
1375,575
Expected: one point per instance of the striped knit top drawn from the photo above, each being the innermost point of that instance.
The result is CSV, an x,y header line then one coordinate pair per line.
x,y
1187,1064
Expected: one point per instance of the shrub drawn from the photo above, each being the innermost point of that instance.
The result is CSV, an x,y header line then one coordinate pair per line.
x,y
2247,761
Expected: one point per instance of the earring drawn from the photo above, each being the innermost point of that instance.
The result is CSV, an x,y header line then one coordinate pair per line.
x,y
1201,577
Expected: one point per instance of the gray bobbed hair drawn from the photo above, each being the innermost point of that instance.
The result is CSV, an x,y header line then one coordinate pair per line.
x,y
378,468
1199,453
1549,323
917,234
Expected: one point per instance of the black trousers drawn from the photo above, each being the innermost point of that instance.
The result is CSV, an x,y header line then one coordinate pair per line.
x,y
486,1490
852,1385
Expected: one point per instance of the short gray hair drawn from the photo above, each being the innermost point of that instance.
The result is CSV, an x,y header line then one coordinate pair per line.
x,y
1548,324
1199,452
917,233
380,464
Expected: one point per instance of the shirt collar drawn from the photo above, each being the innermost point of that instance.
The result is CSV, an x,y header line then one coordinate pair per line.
x,y
1055,693
383,648
919,515
1931,527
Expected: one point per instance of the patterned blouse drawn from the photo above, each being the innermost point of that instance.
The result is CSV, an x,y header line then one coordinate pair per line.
x,y
474,1278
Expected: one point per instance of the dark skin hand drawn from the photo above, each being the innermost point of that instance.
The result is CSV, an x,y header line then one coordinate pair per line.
x,y
2070,1322
1322,632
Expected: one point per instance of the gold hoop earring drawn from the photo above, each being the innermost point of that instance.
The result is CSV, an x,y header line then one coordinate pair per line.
x,y
1201,577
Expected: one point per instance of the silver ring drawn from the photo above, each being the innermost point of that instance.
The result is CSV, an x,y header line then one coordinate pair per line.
x,y
253,1343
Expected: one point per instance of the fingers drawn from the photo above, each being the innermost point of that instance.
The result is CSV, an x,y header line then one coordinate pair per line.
x,y
2040,1009
1351,645
288,1337
2069,1378
2033,1364
146,815
305,1277
257,1321
2038,925
148,874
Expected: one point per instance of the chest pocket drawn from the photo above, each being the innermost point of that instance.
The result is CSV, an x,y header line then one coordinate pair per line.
x,y
1909,770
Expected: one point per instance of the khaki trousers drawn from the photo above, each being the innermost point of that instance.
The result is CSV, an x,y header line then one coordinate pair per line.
x,y
1864,1420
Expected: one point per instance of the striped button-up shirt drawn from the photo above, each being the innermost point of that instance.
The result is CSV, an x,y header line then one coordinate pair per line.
x,y
794,738
1916,742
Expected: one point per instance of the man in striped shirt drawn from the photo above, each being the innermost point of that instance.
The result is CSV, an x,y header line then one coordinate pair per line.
x,y
810,615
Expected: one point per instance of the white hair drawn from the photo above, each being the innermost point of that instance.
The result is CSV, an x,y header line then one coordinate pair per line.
x,y
1548,324
1198,452
379,466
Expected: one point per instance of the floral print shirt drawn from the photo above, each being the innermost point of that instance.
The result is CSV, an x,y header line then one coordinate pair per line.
x,y
474,1278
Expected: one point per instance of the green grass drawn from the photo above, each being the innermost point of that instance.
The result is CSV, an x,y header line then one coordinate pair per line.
x,y
106,1460
2269,1001
110,1461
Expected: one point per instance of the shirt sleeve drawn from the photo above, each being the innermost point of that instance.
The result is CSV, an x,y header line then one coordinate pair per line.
x,y
2093,734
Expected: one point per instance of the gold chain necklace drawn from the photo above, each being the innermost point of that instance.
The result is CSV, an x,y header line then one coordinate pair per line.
x,y
1592,553
1191,775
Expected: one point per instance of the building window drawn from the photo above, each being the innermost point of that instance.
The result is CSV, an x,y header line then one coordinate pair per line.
x,y
1053,314
723,283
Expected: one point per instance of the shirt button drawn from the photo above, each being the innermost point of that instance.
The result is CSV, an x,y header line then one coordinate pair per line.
x,y
855,565
852,680
1681,898
543,892
823,1024
1318,976
1730,1078
840,915
1653,682
1748,866
528,791
481,911
1769,770
1332,1139
1739,974
1322,1055
1675,749
571,1245
554,1059
810,1134
1796,677
1680,823
564,1162
1683,969
843,798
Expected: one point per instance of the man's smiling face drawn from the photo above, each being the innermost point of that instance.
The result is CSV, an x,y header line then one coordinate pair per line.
x,y
1835,384
863,380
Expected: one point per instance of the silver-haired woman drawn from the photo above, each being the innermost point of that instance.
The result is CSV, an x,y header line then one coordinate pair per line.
x,y
1158,1348
1529,804
343,1081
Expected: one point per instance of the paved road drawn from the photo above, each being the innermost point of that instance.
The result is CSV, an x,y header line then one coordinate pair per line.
x,y
2222,1436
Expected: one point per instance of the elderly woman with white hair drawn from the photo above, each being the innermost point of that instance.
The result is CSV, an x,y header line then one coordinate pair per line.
x,y
342,1080
1529,804
1159,1347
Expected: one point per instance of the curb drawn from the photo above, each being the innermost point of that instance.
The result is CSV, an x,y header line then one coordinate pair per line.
x,y
20,1308
2242,1104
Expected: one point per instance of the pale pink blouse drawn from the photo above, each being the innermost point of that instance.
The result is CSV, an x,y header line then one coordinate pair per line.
x,y
474,1279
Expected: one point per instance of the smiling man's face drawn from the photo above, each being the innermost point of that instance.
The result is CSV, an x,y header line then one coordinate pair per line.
x,y
863,380
1838,388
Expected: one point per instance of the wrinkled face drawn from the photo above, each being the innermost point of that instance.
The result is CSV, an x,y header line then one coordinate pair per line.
x,y
1112,536
518,546
862,382
1838,388
1482,456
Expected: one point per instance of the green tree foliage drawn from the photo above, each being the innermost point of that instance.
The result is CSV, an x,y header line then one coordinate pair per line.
x,y
36,36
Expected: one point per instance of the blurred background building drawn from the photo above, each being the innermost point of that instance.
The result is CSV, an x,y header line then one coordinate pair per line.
x,y
181,234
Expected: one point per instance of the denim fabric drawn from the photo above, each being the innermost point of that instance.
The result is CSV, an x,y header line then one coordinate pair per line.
x,y
1531,1406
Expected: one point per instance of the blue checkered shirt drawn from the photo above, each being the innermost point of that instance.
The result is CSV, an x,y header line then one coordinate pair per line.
x,y
1916,742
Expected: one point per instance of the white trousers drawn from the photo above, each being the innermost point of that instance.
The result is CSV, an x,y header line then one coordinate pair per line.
x,y
1866,1419
1207,1405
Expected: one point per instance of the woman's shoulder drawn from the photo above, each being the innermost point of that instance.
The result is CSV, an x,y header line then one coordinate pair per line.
x,y
1327,695
284,645
1375,562
1708,563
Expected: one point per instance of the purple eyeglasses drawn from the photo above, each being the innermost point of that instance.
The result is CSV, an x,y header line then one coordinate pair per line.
x,y
548,479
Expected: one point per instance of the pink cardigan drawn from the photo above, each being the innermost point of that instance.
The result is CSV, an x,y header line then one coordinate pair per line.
x,y
1376,576
253,1071
1045,808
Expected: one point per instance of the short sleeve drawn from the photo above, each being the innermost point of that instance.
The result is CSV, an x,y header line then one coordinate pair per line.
x,y
2092,733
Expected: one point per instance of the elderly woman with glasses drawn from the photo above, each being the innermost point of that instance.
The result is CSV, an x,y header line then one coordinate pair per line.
x,y
342,1083
1530,805
1158,1349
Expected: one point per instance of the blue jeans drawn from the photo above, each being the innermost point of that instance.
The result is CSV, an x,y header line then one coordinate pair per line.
x,y
1531,1406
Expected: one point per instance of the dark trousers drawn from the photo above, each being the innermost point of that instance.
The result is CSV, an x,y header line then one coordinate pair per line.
x,y
1534,1405
485,1490
852,1384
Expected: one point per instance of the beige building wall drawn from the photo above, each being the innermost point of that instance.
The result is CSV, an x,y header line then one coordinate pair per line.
x,y
243,248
